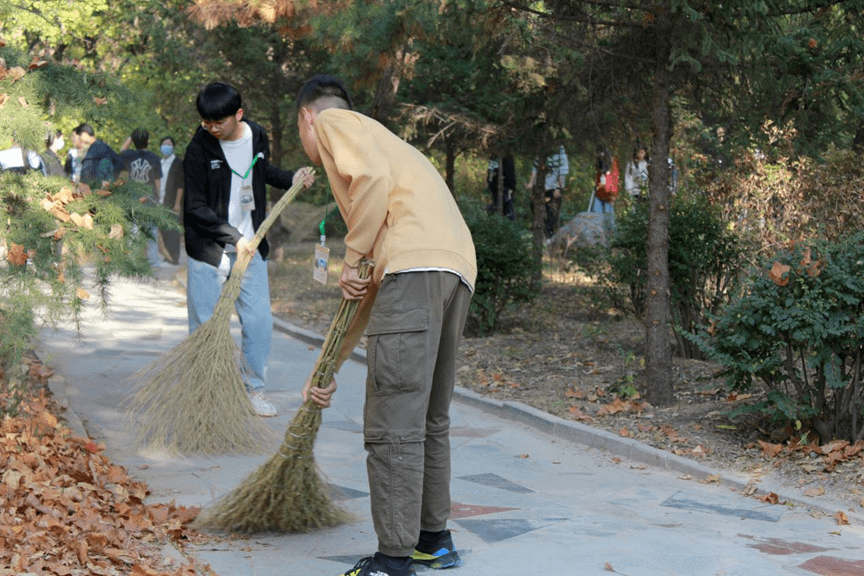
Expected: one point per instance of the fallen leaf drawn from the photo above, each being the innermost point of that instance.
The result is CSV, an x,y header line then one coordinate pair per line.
x,y
523,456
608,567
777,273
841,518
770,450
16,254
23,102
711,479
770,498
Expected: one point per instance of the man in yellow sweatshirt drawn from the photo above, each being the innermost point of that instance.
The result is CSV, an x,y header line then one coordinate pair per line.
x,y
400,213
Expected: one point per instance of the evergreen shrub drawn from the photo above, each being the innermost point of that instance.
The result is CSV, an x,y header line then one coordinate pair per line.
x,y
704,262
505,268
798,330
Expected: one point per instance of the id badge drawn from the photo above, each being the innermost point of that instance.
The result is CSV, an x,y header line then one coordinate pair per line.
x,y
247,198
319,268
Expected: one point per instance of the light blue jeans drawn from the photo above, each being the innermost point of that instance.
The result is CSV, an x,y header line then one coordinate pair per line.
x,y
203,287
608,211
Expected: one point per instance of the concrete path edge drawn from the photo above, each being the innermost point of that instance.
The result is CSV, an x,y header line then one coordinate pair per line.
x,y
596,438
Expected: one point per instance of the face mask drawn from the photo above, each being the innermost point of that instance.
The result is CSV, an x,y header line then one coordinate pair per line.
x,y
59,143
166,150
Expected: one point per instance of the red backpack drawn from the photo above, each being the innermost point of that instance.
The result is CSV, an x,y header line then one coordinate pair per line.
x,y
608,191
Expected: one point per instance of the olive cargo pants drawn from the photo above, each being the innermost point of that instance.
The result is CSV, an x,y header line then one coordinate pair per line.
x,y
413,336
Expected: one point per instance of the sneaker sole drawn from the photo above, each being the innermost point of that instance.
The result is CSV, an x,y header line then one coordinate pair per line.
x,y
449,560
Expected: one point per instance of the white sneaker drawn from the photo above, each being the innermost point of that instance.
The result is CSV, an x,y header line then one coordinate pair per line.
x,y
262,405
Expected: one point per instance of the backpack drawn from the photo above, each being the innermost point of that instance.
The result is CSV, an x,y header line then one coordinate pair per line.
x,y
607,186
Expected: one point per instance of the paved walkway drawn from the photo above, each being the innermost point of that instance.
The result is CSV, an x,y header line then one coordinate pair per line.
x,y
533,495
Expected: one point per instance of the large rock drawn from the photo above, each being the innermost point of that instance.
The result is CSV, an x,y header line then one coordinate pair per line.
x,y
584,230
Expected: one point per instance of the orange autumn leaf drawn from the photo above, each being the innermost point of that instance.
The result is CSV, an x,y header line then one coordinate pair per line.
x,y
770,498
64,196
82,294
841,518
36,64
16,254
777,273
17,73
578,414
770,450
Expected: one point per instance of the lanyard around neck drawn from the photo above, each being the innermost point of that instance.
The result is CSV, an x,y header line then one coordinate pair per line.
x,y
243,176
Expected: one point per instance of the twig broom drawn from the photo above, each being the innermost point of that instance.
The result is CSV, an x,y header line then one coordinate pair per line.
x,y
286,493
194,398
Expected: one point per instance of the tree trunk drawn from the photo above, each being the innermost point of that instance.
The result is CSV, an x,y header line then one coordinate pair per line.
x,y
499,198
538,207
277,127
658,348
450,166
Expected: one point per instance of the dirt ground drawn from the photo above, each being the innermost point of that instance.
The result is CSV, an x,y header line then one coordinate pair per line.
x,y
565,356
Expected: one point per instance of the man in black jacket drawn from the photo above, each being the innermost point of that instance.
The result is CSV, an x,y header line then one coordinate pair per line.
x,y
226,169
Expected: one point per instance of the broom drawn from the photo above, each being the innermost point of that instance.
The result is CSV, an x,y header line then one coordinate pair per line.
x,y
286,493
194,398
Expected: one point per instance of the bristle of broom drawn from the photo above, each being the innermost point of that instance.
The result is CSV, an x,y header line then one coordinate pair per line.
x,y
194,398
286,493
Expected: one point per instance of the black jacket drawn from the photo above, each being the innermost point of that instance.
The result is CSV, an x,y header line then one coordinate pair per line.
x,y
208,190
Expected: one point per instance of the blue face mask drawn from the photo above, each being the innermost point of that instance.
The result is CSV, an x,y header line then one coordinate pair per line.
x,y
166,150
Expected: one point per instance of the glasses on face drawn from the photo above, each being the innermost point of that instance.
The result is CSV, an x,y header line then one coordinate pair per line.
x,y
216,124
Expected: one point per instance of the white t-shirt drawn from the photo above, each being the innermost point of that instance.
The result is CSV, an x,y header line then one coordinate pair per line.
x,y
13,158
166,166
238,153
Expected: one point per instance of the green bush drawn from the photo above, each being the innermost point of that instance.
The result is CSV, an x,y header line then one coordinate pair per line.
x,y
704,262
505,268
799,330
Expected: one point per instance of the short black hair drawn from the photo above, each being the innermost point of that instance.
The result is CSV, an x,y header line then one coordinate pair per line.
x,y
85,129
141,138
320,86
167,138
218,100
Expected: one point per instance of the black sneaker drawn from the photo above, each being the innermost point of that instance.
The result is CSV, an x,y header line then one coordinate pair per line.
x,y
436,550
377,566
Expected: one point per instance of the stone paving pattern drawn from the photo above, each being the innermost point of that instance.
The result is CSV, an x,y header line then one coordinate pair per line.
x,y
532,495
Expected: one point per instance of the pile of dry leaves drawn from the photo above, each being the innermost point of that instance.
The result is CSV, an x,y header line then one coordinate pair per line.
x,y
65,509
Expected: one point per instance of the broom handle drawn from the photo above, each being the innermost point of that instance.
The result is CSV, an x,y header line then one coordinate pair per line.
x,y
244,259
231,289
326,363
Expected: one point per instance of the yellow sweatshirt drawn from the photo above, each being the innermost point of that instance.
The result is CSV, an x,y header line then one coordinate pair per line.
x,y
397,207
